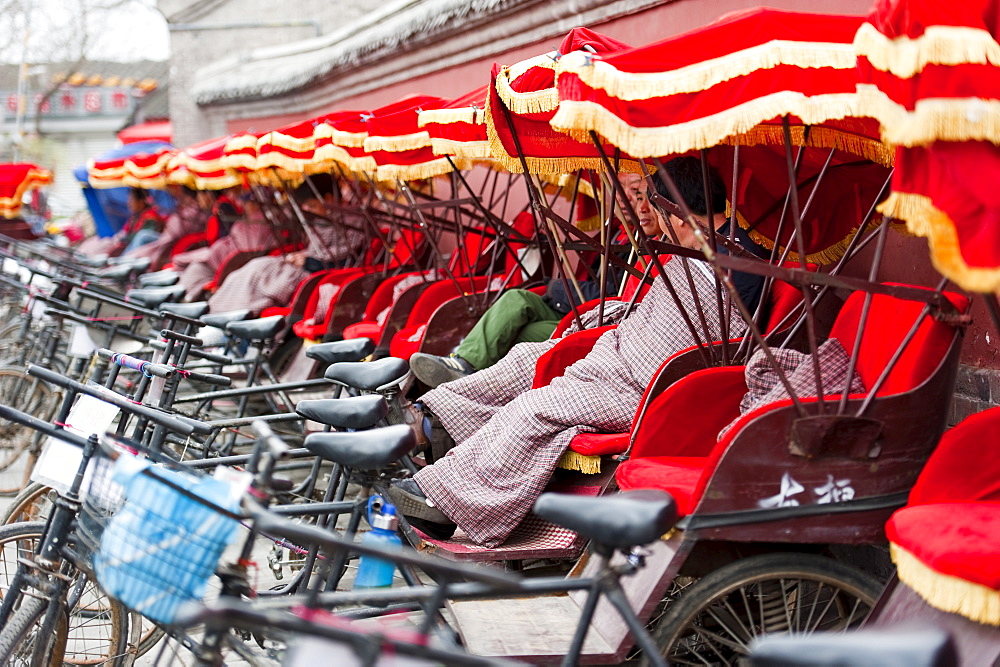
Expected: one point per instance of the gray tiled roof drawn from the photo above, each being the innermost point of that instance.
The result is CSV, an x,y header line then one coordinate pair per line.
x,y
274,70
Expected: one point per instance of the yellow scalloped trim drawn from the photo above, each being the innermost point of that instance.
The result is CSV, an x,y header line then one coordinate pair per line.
x,y
470,115
339,137
109,172
703,75
933,119
333,153
939,45
240,143
277,159
413,172
545,61
588,465
242,161
945,592
577,118
157,167
147,183
466,149
532,101
297,144
926,220
397,144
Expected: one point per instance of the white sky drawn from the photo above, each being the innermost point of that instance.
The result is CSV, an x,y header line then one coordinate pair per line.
x,y
134,31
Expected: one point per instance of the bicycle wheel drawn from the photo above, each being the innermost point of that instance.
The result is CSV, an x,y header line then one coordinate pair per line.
x,y
714,620
34,397
21,641
33,503
97,627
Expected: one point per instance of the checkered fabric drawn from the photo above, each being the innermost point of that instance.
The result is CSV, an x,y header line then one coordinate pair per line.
x,y
533,538
242,237
764,386
488,483
187,219
271,281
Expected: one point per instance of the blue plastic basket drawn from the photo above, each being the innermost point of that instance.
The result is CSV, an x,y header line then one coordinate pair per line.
x,y
160,549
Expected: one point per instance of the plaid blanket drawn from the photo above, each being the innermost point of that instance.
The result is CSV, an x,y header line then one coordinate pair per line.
x,y
488,483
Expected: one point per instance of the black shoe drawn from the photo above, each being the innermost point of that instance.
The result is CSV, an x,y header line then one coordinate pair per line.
x,y
433,370
410,501
433,529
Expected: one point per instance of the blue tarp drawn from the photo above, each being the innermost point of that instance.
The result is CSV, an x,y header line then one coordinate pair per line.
x,y
109,207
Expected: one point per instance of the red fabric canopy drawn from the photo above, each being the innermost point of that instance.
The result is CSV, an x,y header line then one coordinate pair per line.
x,y
730,83
157,130
17,179
397,144
200,166
930,72
458,128
240,152
522,100
141,170
340,140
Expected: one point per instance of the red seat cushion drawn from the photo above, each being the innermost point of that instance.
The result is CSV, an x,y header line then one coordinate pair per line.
x,y
600,444
363,329
276,310
957,539
678,475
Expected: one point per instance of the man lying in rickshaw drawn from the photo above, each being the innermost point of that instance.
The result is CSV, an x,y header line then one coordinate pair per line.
x,y
522,316
502,462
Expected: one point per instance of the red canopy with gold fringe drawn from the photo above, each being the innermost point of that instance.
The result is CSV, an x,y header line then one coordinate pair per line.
x,y
200,166
399,147
730,83
140,170
15,180
340,140
522,100
458,128
930,72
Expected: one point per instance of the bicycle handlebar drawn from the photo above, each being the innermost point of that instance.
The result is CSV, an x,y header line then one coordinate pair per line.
x,y
181,338
145,367
208,378
176,423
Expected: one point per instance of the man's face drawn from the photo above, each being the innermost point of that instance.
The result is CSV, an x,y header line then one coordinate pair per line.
x,y
685,235
638,198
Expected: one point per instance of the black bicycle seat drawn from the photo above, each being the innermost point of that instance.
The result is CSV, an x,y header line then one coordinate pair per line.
x,y
621,521
152,297
159,278
120,272
353,349
368,375
354,412
363,450
925,646
260,329
192,310
220,320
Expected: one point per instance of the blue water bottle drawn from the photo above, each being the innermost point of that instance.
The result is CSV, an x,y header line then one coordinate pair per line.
x,y
375,572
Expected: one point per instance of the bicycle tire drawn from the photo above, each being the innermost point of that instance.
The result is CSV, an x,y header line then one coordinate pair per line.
x,y
17,642
33,397
714,620
97,629
30,504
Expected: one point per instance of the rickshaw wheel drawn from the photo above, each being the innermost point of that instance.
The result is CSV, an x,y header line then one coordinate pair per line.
x,y
715,620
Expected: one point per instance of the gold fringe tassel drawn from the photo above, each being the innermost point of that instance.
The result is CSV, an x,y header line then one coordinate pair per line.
x,y
339,137
924,219
240,143
403,142
933,119
533,101
577,118
280,160
445,116
289,143
245,161
413,172
703,75
465,149
588,465
939,45
945,592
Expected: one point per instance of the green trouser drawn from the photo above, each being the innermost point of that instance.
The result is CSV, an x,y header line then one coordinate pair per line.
x,y
518,316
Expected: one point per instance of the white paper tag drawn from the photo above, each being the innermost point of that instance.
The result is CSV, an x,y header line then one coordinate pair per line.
x,y
80,343
59,460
